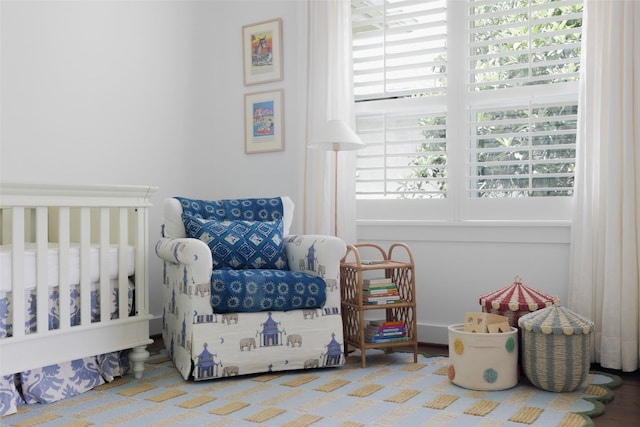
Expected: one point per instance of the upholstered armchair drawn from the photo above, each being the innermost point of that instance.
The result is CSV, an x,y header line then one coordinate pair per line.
x,y
241,295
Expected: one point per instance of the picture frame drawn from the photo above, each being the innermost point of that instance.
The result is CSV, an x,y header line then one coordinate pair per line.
x,y
262,52
264,121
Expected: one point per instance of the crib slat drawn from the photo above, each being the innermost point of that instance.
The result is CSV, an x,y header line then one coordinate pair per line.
x,y
42,276
141,293
17,271
105,288
123,280
64,233
85,285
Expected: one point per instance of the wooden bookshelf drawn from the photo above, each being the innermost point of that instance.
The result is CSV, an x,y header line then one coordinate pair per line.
x,y
353,270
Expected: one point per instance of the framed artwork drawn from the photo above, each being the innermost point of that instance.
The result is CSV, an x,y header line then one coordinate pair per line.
x,y
262,52
264,122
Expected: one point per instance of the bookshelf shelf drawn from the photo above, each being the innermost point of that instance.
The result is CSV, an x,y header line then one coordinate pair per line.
x,y
395,264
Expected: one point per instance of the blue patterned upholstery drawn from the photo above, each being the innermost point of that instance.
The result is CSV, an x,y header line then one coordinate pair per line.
x,y
240,244
235,291
264,209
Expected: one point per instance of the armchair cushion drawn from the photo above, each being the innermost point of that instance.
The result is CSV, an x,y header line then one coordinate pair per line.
x,y
240,244
234,291
173,208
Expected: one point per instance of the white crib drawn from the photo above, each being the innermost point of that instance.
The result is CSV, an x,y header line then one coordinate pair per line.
x,y
79,255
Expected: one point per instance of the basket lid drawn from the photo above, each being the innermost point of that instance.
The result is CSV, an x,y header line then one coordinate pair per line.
x,y
556,320
516,297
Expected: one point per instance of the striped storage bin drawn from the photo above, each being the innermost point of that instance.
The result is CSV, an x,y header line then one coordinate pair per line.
x,y
514,301
555,348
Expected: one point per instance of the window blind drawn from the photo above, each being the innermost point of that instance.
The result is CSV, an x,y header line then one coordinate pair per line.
x,y
405,155
524,60
399,48
399,61
472,98
523,42
522,151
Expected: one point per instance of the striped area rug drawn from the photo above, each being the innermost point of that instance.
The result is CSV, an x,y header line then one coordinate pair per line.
x,y
391,391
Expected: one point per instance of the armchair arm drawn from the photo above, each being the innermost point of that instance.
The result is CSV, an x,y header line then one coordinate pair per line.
x,y
194,254
315,253
187,278
321,255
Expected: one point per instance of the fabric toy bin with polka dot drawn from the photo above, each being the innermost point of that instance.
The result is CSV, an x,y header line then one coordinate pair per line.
x,y
483,361
555,348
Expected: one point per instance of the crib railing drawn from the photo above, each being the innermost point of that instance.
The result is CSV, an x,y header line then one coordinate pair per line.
x,y
84,217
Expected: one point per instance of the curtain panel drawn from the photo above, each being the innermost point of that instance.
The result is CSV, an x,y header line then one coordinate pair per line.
x,y
329,97
604,272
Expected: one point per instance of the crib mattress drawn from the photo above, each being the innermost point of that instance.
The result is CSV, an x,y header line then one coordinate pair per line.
x,y
6,268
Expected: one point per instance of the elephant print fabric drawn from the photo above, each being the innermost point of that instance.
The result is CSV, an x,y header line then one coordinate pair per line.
x,y
294,340
233,350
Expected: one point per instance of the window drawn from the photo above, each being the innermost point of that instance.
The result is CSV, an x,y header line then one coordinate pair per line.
x,y
468,109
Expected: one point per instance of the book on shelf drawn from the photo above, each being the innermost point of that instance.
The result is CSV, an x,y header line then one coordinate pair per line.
x,y
383,302
379,289
384,322
383,340
384,337
385,293
385,329
377,281
398,333
375,336
392,297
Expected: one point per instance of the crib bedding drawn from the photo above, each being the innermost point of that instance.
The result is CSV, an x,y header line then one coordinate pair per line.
x,y
58,381
6,267
6,326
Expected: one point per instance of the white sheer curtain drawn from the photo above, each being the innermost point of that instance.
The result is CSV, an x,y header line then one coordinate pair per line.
x,y
605,244
329,96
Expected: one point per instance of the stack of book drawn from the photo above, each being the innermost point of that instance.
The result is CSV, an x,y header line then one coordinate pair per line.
x,y
380,290
378,331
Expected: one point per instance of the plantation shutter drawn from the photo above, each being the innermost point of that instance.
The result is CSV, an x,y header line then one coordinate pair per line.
x,y
398,48
524,59
393,164
399,51
466,102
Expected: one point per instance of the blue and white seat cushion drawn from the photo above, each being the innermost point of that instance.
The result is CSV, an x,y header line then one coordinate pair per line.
x,y
234,291
240,244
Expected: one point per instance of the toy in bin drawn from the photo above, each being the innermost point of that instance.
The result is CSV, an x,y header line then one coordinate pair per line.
x,y
514,301
483,352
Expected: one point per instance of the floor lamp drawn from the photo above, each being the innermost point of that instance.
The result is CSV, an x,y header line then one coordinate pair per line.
x,y
336,136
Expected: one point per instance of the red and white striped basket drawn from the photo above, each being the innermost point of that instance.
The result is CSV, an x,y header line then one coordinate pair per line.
x,y
515,300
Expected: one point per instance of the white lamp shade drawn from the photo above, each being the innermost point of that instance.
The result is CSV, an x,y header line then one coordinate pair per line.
x,y
336,135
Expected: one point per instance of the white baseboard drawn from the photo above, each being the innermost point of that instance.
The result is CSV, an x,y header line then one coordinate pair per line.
x,y
433,334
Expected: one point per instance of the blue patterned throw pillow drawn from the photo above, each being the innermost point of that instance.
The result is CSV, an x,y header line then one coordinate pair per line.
x,y
240,244
265,209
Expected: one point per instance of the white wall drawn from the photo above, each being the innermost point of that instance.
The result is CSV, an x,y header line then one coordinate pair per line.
x,y
457,263
143,92
151,92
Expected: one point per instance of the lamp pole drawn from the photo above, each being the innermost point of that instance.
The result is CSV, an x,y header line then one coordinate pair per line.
x,y
336,136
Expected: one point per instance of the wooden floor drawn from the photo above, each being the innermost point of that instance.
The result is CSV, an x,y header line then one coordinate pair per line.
x,y
623,410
